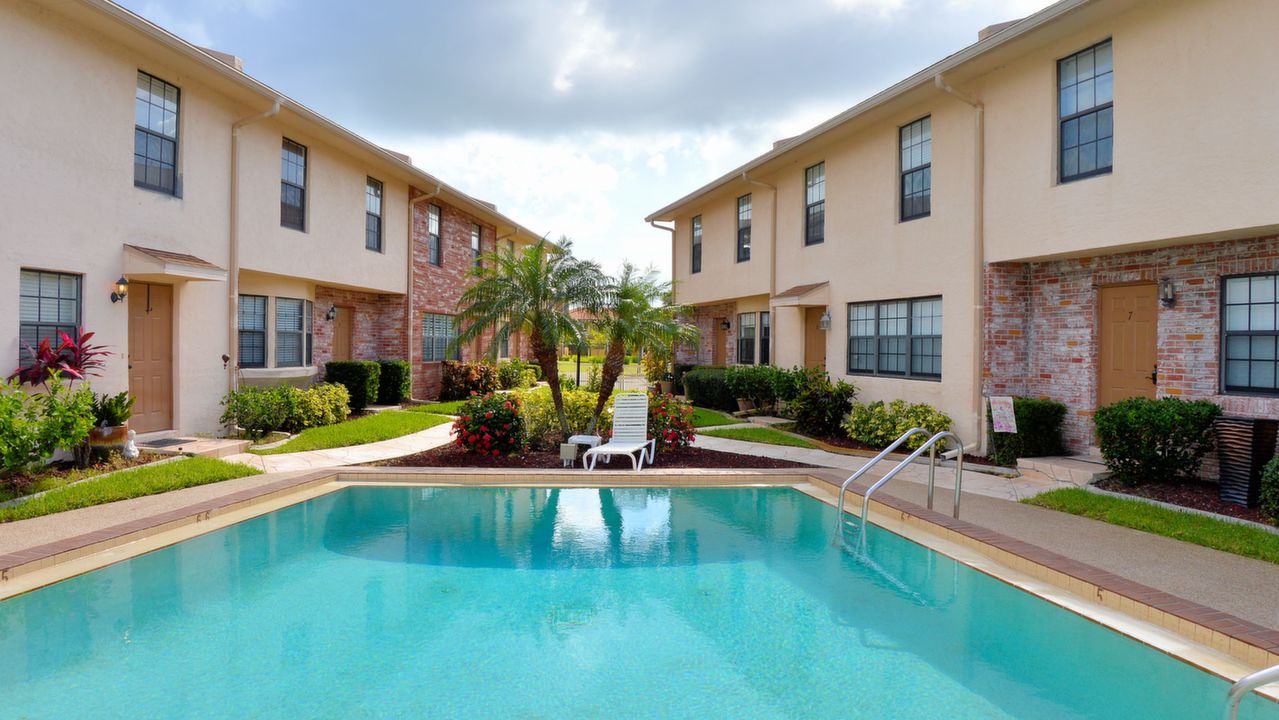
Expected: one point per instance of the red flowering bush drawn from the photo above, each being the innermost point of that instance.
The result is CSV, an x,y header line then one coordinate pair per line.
x,y
459,380
490,425
670,421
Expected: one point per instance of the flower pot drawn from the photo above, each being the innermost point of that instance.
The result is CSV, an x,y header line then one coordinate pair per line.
x,y
744,405
105,438
666,386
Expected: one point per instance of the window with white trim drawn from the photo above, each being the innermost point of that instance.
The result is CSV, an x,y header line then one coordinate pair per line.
x,y
744,228
433,235
746,338
476,233
48,305
373,215
1250,331
438,332
292,332
155,134
696,259
292,185
1086,85
916,144
252,322
815,204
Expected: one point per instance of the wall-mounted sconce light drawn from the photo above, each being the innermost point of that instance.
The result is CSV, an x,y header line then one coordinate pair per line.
x,y
1167,295
824,321
725,325
332,314
121,290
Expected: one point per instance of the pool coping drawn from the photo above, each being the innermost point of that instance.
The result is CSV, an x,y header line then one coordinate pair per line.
x,y
1243,640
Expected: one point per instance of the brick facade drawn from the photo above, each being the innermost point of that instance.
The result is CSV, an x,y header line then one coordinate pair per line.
x,y
705,317
377,325
1041,323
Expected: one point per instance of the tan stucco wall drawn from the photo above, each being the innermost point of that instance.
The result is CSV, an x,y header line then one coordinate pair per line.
x,y
722,276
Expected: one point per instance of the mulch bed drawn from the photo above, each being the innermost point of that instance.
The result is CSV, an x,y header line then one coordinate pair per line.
x,y
451,456
21,484
847,442
1200,495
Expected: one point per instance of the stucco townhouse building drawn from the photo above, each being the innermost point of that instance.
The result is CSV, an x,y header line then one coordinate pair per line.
x,y
258,239
1080,206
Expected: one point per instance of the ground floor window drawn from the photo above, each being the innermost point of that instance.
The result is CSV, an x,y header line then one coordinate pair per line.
x,y
252,331
746,338
438,332
895,337
1250,331
764,338
292,332
48,305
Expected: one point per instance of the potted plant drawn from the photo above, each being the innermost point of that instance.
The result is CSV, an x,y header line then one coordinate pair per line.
x,y
111,415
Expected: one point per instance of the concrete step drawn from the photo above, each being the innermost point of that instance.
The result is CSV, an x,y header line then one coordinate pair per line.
x,y
204,447
1074,469
768,420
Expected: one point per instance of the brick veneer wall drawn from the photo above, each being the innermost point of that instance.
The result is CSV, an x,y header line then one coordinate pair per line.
x,y
377,325
1041,325
704,317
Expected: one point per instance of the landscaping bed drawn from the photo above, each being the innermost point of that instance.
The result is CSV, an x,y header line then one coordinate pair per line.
x,y
847,443
1196,494
58,474
367,429
690,457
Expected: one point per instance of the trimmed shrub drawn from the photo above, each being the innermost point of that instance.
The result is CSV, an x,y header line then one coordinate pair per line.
x,y
656,365
787,383
678,371
706,387
33,425
320,404
259,411
756,383
393,385
1038,432
361,378
670,422
819,406
1269,503
528,377
460,380
1144,440
513,375
542,424
490,425
878,425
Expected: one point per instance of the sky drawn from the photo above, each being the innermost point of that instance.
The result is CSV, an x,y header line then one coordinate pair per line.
x,y
580,117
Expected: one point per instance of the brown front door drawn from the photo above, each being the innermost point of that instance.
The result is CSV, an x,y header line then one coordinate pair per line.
x,y
342,334
1126,344
151,356
814,338
721,341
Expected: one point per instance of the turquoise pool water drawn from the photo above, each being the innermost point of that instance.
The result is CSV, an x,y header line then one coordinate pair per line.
x,y
536,603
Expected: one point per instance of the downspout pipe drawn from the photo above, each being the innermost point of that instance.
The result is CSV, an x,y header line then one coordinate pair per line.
x,y
408,294
772,251
979,248
233,245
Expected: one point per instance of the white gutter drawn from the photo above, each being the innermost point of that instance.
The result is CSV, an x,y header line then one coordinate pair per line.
x,y
233,246
979,248
408,295
670,230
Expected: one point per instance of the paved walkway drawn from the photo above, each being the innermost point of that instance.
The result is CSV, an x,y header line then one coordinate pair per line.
x,y
417,442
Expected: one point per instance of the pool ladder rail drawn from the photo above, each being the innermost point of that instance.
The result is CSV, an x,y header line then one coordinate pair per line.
x,y
1245,686
930,446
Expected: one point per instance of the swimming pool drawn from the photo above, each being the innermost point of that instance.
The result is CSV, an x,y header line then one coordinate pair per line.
x,y
376,602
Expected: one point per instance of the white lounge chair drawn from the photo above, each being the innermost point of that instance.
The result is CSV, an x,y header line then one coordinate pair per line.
x,y
630,433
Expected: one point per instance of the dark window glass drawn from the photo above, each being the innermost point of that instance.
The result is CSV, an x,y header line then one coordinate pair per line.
x,y
438,332
433,234
764,338
252,331
916,144
746,338
815,204
155,135
476,234
697,244
1249,334
292,332
293,185
48,305
1085,83
895,337
373,215
744,228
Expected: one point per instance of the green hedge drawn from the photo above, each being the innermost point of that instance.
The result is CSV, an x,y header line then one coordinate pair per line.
x,y
1038,432
707,387
458,380
1145,440
678,371
1270,490
361,378
393,385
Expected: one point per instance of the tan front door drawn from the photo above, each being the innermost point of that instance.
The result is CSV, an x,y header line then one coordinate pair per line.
x,y
814,338
151,356
342,334
718,350
1126,344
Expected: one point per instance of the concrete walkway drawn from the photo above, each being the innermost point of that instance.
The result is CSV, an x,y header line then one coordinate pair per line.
x,y
417,442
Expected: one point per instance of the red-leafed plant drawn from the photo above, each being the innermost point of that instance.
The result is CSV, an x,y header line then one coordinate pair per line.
x,y
490,425
670,422
75,358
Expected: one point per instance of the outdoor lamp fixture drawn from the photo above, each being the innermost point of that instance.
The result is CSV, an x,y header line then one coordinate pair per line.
x,y
121,290
824,321
332,314
725,325
1167,296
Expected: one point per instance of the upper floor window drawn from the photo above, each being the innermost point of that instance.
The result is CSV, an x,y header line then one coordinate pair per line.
x,y
155,135
696,259
373,214
764,338
433,234
476,234
895,337
916,143
252,331
1249,334
293,185
438,332
744,228
746,338
815,204
48,305
292,332
1086,84
510,248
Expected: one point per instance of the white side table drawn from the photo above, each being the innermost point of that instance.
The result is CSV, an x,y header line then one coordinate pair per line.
x,y
588,440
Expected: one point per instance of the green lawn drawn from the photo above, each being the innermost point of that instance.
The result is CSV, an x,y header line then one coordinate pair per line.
x,y
126,484
370,428
760,435
443,408
1190,527
708,418
568,368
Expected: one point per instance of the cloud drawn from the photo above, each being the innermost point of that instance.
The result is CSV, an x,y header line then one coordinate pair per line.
x,y
593,48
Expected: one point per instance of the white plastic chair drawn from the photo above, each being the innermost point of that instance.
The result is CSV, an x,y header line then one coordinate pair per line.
x,y
630,433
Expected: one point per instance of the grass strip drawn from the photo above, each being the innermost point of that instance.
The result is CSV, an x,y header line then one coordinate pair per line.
x,y
1190,527
126,484
709,418
761,435
441,408
370,428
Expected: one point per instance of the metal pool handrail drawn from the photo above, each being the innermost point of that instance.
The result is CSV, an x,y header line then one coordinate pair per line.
x,y
931,446
839,518
1247,684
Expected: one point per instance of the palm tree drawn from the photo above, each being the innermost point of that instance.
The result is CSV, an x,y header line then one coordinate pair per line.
x,y
532,291
638,313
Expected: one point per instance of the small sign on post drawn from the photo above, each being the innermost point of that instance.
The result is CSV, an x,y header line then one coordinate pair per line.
x,y
1002,418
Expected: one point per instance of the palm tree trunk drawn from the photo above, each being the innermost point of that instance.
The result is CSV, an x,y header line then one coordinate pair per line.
x,y
613,364
549,360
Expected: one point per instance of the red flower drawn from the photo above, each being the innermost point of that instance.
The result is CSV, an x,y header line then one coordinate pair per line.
x,y
496,453
488,414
